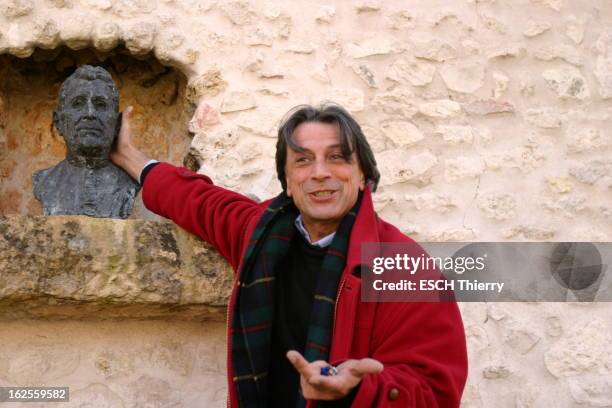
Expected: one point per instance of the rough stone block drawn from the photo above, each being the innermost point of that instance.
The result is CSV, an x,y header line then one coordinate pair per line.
x,y
413,71
567,82
443,108
402,134
464,77
398,166
81,267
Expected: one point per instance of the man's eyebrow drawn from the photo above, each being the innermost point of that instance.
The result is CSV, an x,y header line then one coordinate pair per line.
x,y
305,150
300,149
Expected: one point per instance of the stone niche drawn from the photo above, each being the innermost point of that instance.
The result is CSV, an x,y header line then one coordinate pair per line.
x,y
126,313
28,94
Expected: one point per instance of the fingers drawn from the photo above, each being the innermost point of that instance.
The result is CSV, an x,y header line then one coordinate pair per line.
x,y
311,372
124,153
302,365
126,128
367,366
350,373
298,361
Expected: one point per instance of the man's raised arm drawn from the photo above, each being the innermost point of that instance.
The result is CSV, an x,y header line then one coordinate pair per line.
x,y
218,216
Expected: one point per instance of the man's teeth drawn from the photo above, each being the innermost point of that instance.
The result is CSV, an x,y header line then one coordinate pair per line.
x,y
323,193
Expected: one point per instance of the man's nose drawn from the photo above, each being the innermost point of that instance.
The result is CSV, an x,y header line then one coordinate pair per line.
x,y
320,169
90,108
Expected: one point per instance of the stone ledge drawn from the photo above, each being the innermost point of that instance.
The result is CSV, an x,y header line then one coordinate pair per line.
x,y
77,267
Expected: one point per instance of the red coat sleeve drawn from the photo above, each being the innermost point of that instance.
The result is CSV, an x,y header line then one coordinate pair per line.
x,y
218,216
422,347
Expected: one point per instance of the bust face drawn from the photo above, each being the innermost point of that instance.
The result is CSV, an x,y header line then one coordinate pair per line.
x,y
88,118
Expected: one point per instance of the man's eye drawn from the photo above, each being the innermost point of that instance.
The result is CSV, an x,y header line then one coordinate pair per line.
x,y
78,102
100,104
301,160
337,156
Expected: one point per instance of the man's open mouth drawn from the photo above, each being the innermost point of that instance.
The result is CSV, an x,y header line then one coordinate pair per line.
x,y
323,193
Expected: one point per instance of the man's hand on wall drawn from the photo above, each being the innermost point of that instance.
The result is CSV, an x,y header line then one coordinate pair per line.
x,y
125,154
320,387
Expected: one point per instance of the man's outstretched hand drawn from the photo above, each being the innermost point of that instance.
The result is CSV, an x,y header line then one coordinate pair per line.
x,y
320,387
125,154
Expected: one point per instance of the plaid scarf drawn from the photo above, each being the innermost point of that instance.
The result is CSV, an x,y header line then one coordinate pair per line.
x,y
254,312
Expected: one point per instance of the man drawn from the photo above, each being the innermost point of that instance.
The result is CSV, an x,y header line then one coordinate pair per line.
x,y
86,182
298,331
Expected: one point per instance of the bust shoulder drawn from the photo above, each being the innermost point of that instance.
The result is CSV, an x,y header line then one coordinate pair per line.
x,y
39,180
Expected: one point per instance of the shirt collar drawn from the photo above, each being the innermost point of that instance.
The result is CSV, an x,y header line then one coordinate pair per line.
x,y
323,242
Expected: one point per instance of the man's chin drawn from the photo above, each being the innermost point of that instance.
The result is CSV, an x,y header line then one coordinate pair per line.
x,y
90,134
92,139
323,216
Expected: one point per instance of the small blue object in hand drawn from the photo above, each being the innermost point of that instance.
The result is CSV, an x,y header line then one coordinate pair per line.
x,y
329,370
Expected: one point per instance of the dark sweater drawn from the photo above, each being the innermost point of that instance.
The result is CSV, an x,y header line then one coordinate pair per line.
x,y
294,293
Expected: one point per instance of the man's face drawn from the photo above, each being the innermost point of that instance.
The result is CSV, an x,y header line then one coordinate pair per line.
x,y
323,184
88,118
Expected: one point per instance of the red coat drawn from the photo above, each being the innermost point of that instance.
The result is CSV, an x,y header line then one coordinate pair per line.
x,y
422,345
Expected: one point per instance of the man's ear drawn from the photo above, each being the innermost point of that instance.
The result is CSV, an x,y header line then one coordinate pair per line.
x,y
57,122
362,183
288,190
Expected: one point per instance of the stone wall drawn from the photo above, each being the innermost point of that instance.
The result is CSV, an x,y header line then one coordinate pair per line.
x,y
118,364
126,313
489,119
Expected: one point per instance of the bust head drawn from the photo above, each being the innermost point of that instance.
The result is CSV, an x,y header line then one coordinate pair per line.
x,y
87,115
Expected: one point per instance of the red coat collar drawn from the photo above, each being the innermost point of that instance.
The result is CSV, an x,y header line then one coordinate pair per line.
x,y
365,229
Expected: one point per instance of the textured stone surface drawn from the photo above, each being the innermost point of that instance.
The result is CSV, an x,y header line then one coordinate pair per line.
x,y
443,108
591,390
545,117
106,36
465,78
582,139
463,167
238,101
324,14
352,98
440,202
567,83
380,45
456,134
435,50
402,134
535,28
489,107
16,8
497,206
590,172
397,166
79,267
123,363
398,103
583,350
562,52
139,38
603,72
413,71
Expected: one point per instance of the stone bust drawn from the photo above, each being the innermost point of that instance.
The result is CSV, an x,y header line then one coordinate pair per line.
x,y
86,182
